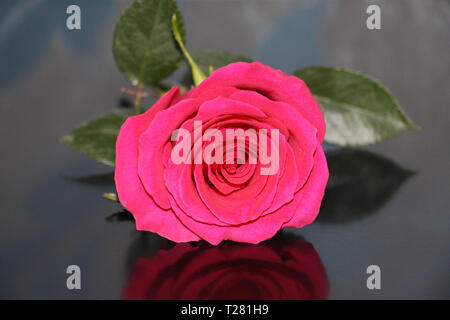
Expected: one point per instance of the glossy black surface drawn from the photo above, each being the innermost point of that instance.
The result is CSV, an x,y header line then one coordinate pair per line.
x,y
386,205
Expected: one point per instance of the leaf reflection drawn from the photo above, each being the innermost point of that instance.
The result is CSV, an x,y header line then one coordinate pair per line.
x,y
102,179
360,183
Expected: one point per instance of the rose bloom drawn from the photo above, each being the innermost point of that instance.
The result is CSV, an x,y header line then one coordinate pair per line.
x,y
189,201
233,271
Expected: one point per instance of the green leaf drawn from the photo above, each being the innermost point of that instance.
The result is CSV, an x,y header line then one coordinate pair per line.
x,y
357,109
360,184
143,45
97,138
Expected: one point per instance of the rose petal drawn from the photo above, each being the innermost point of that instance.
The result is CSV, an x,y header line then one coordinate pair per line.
x,y
130,190
151,148
272,83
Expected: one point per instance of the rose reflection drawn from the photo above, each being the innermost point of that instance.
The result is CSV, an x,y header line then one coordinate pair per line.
x,y
281,268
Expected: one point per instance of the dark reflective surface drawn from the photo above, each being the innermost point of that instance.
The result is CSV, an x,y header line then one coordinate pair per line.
x,y
386,205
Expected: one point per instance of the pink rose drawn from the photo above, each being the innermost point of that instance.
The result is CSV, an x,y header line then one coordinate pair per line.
x,y
191,200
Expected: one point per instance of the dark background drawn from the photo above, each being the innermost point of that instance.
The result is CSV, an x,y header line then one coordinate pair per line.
x,y
392,214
